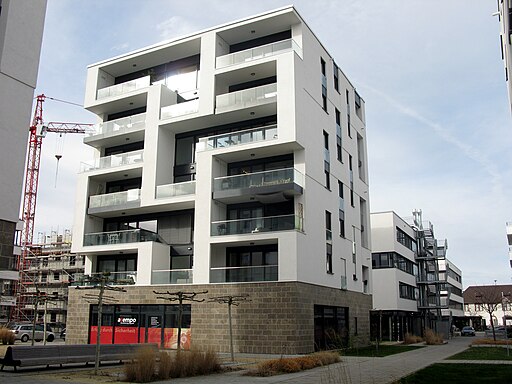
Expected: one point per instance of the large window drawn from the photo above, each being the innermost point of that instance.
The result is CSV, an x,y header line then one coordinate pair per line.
x,y
331,327
407,291
406,240
394,260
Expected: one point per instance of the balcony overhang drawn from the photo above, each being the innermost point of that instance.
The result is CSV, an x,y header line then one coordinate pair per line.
x,y
264,193
111,211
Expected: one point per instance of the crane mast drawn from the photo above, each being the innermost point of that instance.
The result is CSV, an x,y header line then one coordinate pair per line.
x,y
37,132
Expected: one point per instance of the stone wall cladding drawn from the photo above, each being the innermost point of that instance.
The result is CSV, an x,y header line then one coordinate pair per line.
x,y
278,319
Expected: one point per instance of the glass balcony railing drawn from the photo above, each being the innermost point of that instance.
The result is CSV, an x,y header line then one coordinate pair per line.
x,y
112,161
114,199
121,237
244,274
176,189
259,179
179,109
120,126
256,225
247,98
258,53
172,276
123,88
237,138
113,278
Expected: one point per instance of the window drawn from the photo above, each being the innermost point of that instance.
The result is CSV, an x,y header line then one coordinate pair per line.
x,y
56,276
328,228
327,180
406,240
324,100
331,326
328,257
349,130
342,223
324,85
336,80
394,260
352,198
338,136
322,65
407,291
326,140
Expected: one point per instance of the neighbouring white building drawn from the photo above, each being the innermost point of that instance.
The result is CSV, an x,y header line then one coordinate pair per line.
x,y
21,33
414,285
231,160
505,17
479,299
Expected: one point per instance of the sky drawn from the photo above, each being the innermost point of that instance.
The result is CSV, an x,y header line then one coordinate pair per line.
x,y
439,125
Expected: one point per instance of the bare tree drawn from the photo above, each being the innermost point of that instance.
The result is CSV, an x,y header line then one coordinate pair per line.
x,y
180,297
230,300
100,282
489,297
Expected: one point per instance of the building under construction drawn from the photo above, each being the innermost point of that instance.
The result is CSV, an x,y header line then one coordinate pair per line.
x,y
50,268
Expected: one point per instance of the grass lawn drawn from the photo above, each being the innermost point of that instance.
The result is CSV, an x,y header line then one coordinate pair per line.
x,y
384,350
483,353
461,374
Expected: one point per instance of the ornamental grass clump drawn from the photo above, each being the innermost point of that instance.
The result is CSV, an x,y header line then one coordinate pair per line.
x,y
6,336
143,367
432,338
412,339
294,364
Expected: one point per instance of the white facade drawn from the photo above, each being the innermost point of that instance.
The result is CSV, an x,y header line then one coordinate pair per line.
x,y
249,110
21,32
505,17
452,295
509,240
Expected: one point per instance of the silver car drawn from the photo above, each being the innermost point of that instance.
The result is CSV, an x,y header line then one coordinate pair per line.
x,y
23,332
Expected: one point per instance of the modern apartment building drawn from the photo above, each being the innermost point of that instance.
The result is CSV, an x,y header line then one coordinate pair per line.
x,y
414,285
231,160
21,32
505,17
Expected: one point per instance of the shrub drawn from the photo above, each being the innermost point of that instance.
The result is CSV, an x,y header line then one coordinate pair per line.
x,y
432,338
412,339
294,364
142,369
6,336
193,363
164,367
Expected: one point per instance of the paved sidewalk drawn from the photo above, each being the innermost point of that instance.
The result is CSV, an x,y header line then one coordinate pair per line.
x,y
353,370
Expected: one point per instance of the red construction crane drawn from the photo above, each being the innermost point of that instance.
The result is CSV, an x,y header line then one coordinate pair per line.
x,y
38,131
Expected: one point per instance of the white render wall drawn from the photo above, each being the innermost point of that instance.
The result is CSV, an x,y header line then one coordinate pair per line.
x,y
21,32
301,122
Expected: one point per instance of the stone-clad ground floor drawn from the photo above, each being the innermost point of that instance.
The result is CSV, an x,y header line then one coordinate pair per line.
x,y
279,318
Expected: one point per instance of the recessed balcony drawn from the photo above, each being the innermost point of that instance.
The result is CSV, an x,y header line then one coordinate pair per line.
x,y
256,225
230,139
127,158
110,201
256,53
180,109
244,274
123,88
246,98
114,278
133,125
176,189
172,276
267,186
121,237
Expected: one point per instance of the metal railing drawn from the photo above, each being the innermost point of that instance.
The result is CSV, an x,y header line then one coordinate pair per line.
x,y
114,199
121,237
172,276
120,89
179,109
247,98
175,189
258,53
258,179
244,274
236,138
256,225
122,125
112,161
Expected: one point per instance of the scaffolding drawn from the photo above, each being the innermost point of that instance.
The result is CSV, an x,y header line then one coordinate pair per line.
x,y
50,268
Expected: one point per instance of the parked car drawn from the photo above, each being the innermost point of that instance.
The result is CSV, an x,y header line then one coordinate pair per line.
x,y
63,334
467,331
23,332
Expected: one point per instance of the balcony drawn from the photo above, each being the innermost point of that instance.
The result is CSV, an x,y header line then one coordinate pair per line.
x,y
114,278
119,200
237,138
180,109
123,88
266,185
176,189
256,225
244,274
123,126
246,98
172,276
267,50
113,161
121,237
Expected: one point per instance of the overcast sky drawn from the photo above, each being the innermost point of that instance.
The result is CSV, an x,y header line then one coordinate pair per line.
x,y
439,127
